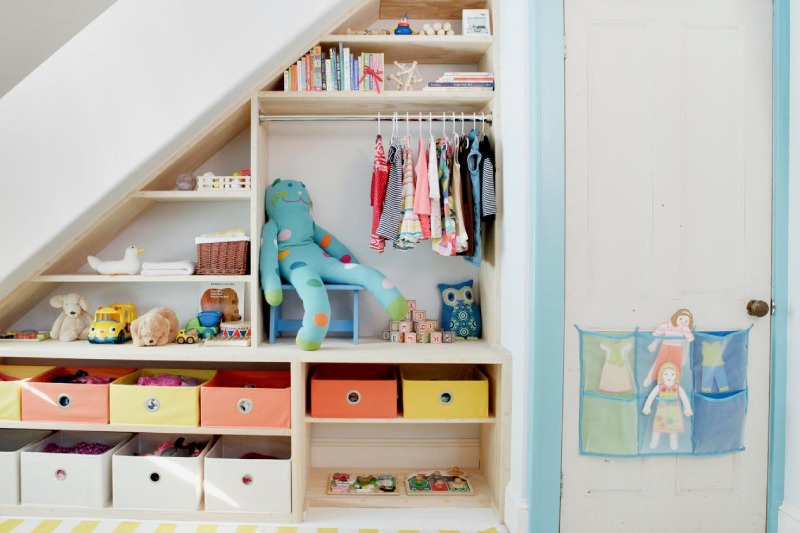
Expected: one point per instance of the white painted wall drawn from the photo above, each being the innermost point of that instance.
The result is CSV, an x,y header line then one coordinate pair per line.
x,y
116,100
789,519
511,29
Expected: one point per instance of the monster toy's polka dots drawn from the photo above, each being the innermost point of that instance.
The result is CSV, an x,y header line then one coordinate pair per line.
x,y
314,283
386,284
325,254
326,241
282,255
297,264
321,319
285,235
350,266
346,258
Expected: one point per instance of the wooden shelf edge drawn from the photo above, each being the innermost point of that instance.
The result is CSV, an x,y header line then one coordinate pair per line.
x,y
134,514
98,278
195,196
137,428
400,420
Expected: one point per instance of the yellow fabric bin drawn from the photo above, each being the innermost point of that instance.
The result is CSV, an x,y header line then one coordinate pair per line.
x,y
11,391
444,391
157,406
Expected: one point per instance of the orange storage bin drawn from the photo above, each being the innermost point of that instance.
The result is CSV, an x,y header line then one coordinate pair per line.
x,y
44,401
229,401
354,391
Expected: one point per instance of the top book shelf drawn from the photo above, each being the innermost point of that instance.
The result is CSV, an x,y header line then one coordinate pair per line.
x,y
424,49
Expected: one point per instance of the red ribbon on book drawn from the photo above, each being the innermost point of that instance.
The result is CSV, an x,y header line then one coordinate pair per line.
x,y
368,71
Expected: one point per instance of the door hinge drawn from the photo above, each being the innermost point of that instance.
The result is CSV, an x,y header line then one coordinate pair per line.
x,y
561,485
565,47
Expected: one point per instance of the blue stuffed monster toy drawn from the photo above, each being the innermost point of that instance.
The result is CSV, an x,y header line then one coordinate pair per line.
x,y
295,247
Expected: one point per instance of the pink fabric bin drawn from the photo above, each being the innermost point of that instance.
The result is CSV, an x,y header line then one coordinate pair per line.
x,y
225,401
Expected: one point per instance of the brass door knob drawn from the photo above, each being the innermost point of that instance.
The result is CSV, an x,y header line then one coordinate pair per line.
x,y
757,308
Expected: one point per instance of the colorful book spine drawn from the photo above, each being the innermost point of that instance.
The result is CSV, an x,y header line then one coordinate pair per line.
x,y
301,80
460,84
379,85
293,76
323,67
317,68
309,73
371,81
340,71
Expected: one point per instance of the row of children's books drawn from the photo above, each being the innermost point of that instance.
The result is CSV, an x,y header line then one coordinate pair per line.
x,y
463,81
339,71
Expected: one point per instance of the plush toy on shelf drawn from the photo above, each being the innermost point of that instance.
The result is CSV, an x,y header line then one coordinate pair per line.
x,y
157,327
74,320
128,265
305,254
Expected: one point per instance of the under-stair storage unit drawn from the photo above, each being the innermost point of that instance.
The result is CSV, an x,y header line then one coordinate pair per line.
x,y
309,445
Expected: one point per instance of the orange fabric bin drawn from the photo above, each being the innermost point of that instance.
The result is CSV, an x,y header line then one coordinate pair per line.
x,y
227,401
44,401
354,391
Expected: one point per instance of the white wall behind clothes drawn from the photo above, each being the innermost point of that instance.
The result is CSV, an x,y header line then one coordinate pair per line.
x,y
334,160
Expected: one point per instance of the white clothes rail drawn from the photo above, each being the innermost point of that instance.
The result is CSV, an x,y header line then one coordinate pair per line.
x,y
410,117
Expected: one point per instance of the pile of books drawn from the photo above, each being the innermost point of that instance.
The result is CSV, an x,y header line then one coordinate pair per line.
x,y
463,81
339,71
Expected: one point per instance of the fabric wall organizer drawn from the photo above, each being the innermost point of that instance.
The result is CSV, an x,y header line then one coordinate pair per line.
x,y
623,372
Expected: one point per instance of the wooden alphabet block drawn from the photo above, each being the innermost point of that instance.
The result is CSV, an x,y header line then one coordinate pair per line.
x,y
433,324
412,305
421,327
419,316
405,326
394,326
410,338
448,337
436,337
423,338
386,334
394,336
409,316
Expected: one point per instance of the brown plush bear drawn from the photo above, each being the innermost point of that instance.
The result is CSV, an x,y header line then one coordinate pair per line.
x,y
157,327
74,321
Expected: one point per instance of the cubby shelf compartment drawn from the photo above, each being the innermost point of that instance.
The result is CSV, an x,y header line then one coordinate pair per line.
x,y
109,513
98,278
399,420
135,428
335,103
195,196
316,495
425,49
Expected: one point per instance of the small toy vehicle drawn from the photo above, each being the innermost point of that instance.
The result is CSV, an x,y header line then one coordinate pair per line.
x,y
188,336
112,324
206,324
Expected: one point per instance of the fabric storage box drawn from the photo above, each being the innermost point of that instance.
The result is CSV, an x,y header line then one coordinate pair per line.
x,y
12,441
233,484
156,405
354,391
44,401
167,483
230,401
69,479
444,391
10,391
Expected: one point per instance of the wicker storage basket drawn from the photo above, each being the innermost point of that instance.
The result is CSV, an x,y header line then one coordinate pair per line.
x,y
222,258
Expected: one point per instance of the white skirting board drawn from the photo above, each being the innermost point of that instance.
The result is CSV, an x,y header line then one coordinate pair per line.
x,y
516,513
788,519
395,453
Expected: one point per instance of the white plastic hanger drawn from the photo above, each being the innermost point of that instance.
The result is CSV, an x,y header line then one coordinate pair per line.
x,y
474,121
379,123
483,123
408,133
462,123
420,124
430,124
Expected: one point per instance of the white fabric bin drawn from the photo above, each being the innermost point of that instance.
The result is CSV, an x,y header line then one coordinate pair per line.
x,y
143,481
69,479
234,484
12,441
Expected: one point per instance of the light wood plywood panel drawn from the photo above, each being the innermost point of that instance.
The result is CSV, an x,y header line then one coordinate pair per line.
x,y
427,9
426,49
135,428
98,278
335,103
195,196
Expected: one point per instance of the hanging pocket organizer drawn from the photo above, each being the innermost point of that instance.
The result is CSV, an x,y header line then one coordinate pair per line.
x,y
695,393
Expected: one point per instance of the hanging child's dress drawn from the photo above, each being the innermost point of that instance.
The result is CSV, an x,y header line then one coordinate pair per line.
x,y
422,198
389,226
410,229
380,175
446,245
457,198
474,166
435,191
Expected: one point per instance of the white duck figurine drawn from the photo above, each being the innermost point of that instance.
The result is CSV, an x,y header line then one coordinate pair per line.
x,y
128,265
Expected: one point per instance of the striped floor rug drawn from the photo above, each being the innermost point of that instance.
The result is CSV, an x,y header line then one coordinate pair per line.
x,y
37,525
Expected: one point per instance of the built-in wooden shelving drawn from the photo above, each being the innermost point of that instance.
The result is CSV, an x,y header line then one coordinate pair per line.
x,y
98,278
335,103
427,49
195,196
130,428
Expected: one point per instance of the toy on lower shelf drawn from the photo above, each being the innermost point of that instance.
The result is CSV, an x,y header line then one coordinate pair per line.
x,y
112,324
364,484
27,335
453,482
157,327
205,325
233,334
417,328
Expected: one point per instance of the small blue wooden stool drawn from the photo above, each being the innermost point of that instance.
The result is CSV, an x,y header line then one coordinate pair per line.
x,y
278,325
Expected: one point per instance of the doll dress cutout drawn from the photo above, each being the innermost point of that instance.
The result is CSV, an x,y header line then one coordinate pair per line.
x,y
380,176
615,376
671,348
669,416
713,367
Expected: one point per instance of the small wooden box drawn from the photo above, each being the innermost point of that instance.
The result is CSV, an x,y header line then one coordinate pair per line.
x,y
412,305
419,316
394,326
405,327
436,337
448,337
410,338
386,334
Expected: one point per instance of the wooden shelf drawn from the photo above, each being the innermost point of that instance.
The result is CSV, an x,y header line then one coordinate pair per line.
x,y
316,495
424,49
109,513
334,103
400,420
195,196
98,278
284,350
130,428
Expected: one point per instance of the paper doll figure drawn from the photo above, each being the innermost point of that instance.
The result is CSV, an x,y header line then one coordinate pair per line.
x,y
670,394
679,325
615,377
713,367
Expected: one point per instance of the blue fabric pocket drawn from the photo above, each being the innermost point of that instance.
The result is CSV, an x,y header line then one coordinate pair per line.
x,y
719,422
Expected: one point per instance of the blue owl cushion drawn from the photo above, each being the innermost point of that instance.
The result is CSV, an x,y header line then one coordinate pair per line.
x,y
460,313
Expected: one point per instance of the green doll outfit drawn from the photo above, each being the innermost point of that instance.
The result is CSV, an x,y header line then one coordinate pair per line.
x,y
295,247
713,368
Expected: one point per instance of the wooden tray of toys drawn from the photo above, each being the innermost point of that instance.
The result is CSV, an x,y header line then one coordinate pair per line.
x,y
453,482
363,484
26,336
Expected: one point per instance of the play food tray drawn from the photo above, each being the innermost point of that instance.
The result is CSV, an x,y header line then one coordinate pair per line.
x,y
444,391
229,401
354,391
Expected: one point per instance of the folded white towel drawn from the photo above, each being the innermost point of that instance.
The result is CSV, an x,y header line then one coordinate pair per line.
x,y
169,268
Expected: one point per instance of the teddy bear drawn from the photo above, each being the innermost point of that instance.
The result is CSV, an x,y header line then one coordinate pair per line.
x,y
74,321
157,327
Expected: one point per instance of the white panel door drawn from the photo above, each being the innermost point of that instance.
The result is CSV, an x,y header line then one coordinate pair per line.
x,y
669,183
